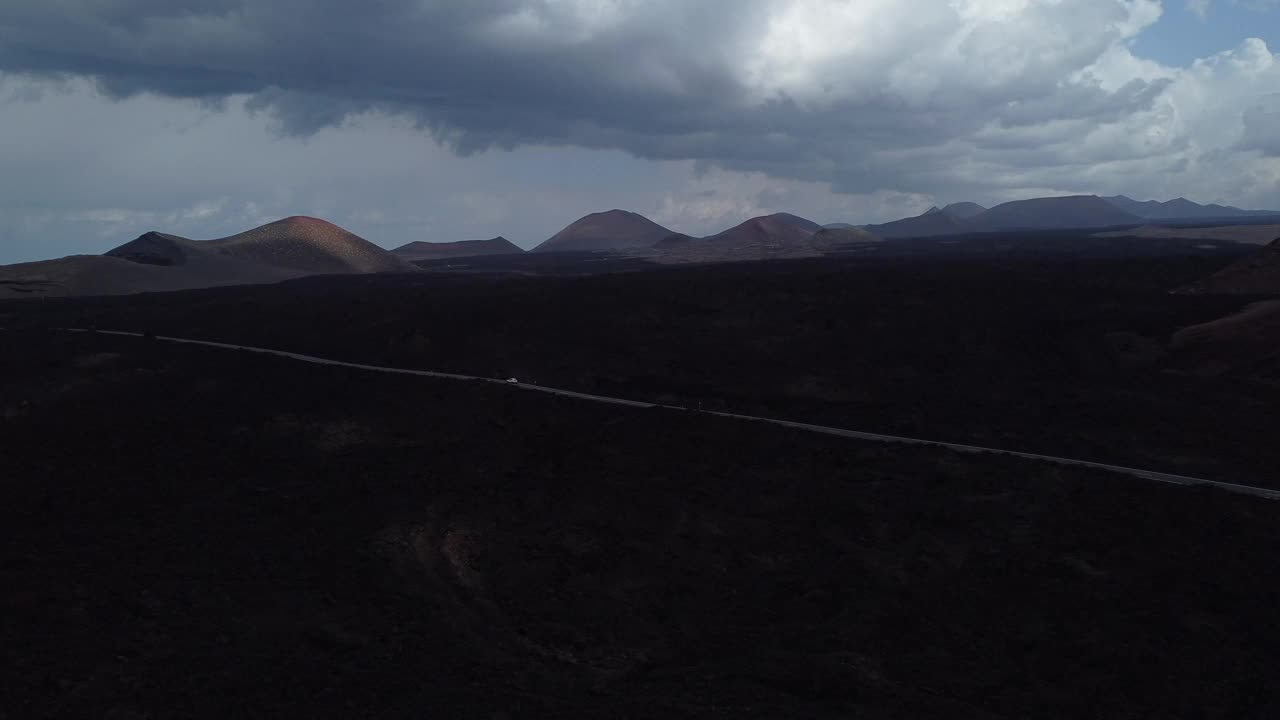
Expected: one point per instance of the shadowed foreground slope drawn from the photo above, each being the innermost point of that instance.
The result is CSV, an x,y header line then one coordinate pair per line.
x,y
1059,358
206,534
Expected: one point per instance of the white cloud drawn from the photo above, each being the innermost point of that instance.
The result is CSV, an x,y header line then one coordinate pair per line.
x,y
1262,126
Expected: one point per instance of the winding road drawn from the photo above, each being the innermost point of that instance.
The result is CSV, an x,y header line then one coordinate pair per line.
x,y
838,432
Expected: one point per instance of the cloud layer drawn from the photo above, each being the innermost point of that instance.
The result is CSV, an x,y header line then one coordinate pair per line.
x,y
880,100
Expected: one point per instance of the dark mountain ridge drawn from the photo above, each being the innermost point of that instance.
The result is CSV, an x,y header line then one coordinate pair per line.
x,y
1055,213
926,225
463,248
964,210
1182,209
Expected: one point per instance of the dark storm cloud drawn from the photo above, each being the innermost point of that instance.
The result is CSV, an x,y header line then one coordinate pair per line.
x,y
443,59
663,80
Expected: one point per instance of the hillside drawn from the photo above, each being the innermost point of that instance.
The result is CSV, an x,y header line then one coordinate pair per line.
x,y
163,250
776,236
1258,274
779,229
463,248
1055,213
159,262
612,230
1241,344
964,210
1245,344
311,245
927,225
1181,209
796,221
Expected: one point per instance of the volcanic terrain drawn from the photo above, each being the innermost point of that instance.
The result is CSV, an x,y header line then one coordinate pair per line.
x,y
158,262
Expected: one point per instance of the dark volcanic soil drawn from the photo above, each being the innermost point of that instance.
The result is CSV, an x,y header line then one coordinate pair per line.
x,y
1063,357
198,533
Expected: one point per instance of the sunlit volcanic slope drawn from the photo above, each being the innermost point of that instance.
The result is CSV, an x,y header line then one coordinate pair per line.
x,y
778,229
612,230
158,262
310,245
154,262
1258,274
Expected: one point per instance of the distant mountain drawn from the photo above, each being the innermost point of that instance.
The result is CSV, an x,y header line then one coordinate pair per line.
x,y
1054,213
612,230
780,235
463,248
931,223
777,229
158,262
156,248
794,221
963,210
1257,274
829,237
311,245
1182,209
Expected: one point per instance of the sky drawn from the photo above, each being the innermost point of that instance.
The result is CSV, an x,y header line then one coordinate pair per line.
x,y
444,120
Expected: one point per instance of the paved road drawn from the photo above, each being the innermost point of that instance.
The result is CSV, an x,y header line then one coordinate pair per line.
x,y
839,432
